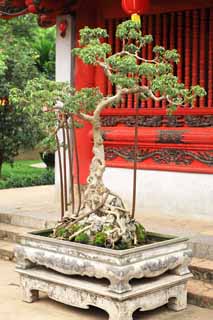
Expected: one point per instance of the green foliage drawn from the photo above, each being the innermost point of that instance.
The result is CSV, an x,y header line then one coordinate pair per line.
x,y
82,238
92,47
74,228
123,64
21,59
88,35
84,100
93,51
16,37
16,132
61,232
100,239
44,45
47,144
37,94
129,30
42,92
20,174
124,69
141,233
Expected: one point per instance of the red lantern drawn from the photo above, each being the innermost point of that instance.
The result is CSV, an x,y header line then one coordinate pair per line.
x,y
135,6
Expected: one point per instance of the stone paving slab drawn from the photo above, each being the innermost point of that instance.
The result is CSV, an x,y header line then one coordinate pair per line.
x,y
12,308
39,202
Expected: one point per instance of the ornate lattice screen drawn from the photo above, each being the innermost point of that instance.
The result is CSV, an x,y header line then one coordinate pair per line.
x,y
183,141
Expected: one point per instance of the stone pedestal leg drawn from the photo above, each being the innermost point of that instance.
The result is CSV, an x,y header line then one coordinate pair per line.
x,y
121,316
119,286
120,311
29,295
181,270
180,302
24,264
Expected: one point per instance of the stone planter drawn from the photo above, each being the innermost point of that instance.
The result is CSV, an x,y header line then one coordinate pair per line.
x,y
164,253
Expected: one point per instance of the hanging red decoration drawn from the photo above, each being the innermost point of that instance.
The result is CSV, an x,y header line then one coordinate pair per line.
x,y
135,8
11,9
12,3
63,25
47,10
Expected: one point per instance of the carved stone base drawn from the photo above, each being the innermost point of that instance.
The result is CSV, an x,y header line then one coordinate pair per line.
x,y
83,292
118,266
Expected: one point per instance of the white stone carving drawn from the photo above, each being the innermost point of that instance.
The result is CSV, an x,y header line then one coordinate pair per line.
x,y
82,293
119,267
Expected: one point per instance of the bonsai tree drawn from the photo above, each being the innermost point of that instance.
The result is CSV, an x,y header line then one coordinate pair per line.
x,y
103,218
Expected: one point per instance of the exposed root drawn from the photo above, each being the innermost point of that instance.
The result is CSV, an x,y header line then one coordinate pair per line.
x,y
109,225
104,219
79,232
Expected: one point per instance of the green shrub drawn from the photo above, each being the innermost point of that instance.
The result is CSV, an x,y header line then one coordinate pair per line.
x,y
22,175
82,238
100,239
140,233
61,232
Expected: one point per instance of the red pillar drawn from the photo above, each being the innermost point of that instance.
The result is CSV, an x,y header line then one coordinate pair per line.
x,y
84,77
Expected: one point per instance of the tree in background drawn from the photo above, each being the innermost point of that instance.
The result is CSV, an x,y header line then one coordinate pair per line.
x,y
26,52
45,47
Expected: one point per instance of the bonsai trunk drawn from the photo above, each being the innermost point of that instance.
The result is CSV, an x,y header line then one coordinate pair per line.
x,y
96,191
103,218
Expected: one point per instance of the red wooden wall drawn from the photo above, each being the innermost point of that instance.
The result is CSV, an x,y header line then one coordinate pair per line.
x,y
183,141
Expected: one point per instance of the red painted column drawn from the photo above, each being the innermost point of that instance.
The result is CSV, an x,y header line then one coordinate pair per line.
x,y
172,31
158,42
150,52
144,54
195,49
202,53
118,47
165,42
210,82
100,78
84,77
180,44
111,38
187,50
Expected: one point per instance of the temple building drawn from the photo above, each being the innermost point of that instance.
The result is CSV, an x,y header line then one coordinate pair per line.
x,y
175,152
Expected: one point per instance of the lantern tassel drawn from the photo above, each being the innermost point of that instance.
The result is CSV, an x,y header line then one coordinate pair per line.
x,y
136,18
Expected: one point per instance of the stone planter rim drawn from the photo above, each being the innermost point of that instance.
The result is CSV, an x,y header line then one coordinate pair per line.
x,y
170,240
